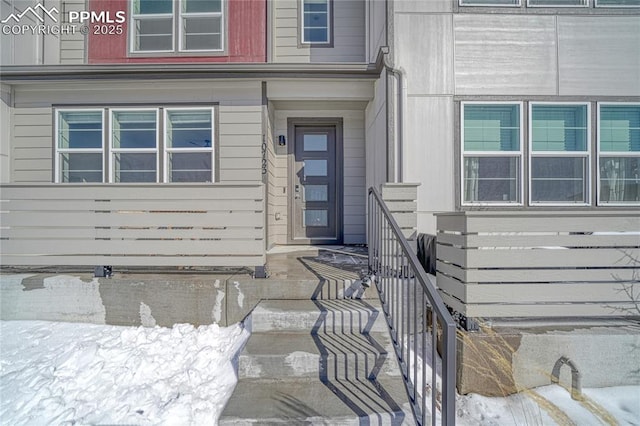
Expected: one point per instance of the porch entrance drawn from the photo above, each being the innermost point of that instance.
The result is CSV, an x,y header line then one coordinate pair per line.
x,y
315,193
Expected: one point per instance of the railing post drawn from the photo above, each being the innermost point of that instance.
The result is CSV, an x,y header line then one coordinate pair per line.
x,y
396,268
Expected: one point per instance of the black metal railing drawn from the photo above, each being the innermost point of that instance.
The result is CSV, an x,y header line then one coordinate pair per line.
x,y
419,322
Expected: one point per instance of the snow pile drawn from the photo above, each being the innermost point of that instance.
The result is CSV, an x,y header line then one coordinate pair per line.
x,y
52,373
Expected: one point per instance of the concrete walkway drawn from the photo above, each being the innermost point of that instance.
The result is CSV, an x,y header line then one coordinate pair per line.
x,y
318,362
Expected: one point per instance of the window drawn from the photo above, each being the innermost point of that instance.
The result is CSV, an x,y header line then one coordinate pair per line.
x,y
316,18
79,146
134,145
189,148
557,3
617,3
619,153
139,147
492,153
559,160
182,26
510,3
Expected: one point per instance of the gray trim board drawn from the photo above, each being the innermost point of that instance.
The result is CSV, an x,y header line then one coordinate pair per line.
x,y
292,122
17,74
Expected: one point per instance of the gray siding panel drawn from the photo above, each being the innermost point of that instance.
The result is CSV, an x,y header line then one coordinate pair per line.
x,y
349,34
32,145
239,122
425,50
72,46
599,55
133,225
376,136
429,156
543,263
505,54
422,6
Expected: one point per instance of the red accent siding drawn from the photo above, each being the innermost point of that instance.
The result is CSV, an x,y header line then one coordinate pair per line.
x,y
246,36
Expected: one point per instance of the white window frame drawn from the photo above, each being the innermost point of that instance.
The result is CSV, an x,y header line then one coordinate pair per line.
x,y
519,154
168,150
585,4
181,33
462,3
611,154
113,151
329,26
572,154
58,150
132,31
177,31
623,6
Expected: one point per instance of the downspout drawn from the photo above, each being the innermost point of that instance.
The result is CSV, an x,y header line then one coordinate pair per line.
x,y
397,131
394,121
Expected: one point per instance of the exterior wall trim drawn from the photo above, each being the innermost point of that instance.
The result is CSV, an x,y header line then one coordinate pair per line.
x,y
16,74
338,122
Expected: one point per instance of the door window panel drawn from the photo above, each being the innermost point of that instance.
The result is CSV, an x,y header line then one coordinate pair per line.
x,y
315,142
315,168
316,193
315,218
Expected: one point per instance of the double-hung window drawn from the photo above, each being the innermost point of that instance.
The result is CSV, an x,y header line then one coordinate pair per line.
x,y
557,3
559,153
79,146
188,145
491,153
134,145
618,153
511,3
141,145
177,26
316,21
617,3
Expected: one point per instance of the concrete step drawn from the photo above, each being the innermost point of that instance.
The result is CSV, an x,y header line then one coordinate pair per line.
x,y
318,362
318,316
304,401
300,354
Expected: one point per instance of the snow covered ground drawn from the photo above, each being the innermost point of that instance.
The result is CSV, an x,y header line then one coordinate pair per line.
x,y
64,373
70,373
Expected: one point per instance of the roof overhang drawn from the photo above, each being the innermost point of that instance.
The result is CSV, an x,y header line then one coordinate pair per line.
x,y
15,74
